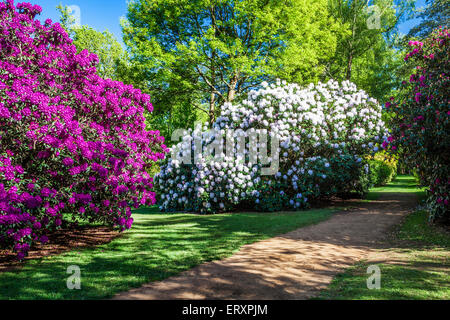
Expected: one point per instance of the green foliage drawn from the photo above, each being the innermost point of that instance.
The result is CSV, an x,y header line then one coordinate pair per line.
x,y
202,53
178,115
320,151
368,54
383,169
377,69
419,276
350,179
109,51
362,183
381,173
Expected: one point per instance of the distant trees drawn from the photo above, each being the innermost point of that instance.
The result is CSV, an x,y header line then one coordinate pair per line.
x,y
193,56
368,53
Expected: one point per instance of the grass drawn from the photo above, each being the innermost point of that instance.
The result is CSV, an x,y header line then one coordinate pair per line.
x,y
402,184
423,275
157,247
417,229
417,267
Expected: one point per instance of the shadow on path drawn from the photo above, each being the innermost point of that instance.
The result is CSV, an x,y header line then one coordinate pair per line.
x,y
296,265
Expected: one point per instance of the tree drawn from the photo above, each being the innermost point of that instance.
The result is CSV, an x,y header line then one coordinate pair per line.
x,y
436,14
378,70
110,53
202,53
368,54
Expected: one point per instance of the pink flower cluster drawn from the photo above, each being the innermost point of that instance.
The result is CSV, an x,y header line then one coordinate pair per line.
x,y
418,45
421,119
70,142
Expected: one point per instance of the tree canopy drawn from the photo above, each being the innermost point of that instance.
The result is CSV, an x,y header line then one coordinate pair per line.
x,y
202,53
368,54
435,15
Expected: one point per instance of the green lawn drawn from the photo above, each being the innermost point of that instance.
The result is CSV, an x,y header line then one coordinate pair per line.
x,y
162,245
423,275
416,229
158,246
402,184
419,267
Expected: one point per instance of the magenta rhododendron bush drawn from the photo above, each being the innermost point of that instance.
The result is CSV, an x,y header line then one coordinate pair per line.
x,y
70,142
421,122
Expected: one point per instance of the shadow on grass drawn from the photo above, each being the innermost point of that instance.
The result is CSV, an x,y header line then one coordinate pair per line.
x,y
157,247
399,281
402,184
416,266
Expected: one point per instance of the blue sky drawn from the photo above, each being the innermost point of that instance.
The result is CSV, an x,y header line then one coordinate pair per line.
x,y
105,14
406,26
98,14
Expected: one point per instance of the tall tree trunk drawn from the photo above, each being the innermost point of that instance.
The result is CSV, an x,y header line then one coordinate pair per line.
x,y
232,88
349,65
212,99
351,42
212,109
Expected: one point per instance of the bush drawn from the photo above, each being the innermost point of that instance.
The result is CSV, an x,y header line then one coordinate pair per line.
x,y
383,169
325,132
70,142
421,123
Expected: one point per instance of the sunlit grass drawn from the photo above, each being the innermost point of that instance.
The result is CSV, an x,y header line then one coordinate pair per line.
x,y
157,247
419,269
423,275
402,184
417,229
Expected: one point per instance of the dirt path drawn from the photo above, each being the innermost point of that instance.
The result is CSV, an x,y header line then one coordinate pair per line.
x,y
296,265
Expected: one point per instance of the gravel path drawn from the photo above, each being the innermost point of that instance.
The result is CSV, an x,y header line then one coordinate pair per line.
x,y
296,265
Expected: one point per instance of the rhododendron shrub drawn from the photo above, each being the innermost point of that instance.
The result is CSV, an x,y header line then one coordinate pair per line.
x,y
421,124
325,131
70,142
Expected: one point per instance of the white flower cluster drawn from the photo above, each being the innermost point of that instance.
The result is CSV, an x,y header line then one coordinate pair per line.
x,y
324,132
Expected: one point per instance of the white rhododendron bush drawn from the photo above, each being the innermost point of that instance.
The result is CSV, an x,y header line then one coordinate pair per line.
x,y
324,131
